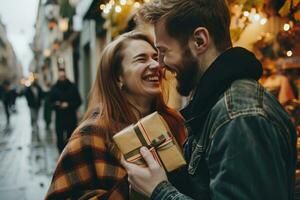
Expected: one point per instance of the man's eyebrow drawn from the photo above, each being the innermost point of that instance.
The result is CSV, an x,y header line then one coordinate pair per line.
x,y
160,47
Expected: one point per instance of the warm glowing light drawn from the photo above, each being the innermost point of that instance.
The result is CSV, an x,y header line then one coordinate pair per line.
x,y
286,27
256,17
246,13
108,6
102,7
106,10
64,24
137,5
263,21
123,2
118,9
289,53
259,37
46,52
112,2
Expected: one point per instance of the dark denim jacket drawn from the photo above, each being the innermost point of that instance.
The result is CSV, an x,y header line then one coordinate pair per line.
x,y
245,150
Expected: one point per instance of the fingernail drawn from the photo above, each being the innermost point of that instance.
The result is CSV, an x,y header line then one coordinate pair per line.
x,y
143,150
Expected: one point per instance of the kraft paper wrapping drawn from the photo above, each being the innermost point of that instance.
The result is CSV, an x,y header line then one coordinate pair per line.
x,y
153,132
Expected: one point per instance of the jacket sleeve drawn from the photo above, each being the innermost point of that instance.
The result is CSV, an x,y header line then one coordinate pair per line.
x,y
86,170
250,158
53,98
165,191
75,101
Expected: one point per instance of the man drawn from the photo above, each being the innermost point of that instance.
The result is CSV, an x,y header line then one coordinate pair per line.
x,y
6,96
241,143
65,98
47,110
34,95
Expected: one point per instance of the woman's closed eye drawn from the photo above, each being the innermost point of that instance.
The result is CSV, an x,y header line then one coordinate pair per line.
x,y
142,60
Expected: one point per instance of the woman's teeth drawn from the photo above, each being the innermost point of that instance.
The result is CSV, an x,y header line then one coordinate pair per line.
x,y
152,78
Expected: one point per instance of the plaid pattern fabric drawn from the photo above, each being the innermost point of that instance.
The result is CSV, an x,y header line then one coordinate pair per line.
x,y
87,170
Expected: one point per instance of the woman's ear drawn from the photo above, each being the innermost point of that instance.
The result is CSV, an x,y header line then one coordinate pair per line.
x,y
121,82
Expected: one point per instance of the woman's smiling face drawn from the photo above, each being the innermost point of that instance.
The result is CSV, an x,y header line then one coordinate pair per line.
x,y
141,74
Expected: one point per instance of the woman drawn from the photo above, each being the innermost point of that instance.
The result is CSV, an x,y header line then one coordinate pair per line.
x,y
128,85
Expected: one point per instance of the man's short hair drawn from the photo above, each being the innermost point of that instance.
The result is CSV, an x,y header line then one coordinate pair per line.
x,y
182,17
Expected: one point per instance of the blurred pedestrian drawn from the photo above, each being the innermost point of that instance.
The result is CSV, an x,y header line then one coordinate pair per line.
x,y
128,86
65,99
47,114
7,100
14,95
34,95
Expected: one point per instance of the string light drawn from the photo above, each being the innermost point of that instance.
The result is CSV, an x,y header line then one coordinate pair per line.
x,y
253,16
263,21
106,10
137,5
123,2
111,2
118,9
256,17
109,6
286,27
117,5
289,53
246,13
102,7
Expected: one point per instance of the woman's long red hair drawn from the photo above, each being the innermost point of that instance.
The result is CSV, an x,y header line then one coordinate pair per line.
x,y
115,110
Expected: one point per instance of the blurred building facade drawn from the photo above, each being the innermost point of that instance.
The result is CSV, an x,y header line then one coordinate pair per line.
x,y
10,67
46,44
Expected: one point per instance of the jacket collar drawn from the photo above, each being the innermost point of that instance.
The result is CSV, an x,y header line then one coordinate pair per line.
x,y
233,64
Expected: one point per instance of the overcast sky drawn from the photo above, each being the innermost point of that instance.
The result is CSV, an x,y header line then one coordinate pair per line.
x,y
19,17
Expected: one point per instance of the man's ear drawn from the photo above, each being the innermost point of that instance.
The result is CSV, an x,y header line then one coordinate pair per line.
x,y
200,40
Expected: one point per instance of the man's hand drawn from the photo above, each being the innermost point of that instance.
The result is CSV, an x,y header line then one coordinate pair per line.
x,y
64,105
144,180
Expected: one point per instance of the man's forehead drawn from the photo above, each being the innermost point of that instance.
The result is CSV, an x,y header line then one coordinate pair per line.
x,y
160,38
159,44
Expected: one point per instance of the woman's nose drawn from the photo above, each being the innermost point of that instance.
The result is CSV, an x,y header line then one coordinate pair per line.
x,y
154,64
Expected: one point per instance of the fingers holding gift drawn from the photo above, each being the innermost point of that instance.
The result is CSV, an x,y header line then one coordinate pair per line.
x,y
148,157
144,180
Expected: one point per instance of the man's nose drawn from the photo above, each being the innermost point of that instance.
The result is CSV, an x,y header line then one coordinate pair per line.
x,y
161,60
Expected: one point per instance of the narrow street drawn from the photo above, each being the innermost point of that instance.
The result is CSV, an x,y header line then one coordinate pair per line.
x,y
26,167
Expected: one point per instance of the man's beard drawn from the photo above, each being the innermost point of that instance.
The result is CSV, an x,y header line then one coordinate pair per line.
x,y
188,76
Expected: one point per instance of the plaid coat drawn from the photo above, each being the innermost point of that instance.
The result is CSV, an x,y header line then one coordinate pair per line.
x,y
86,168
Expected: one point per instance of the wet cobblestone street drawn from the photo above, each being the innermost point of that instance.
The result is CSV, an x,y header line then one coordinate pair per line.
x,y
26,165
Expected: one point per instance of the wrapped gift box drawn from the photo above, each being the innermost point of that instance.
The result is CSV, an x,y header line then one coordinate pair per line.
x,y
152,132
